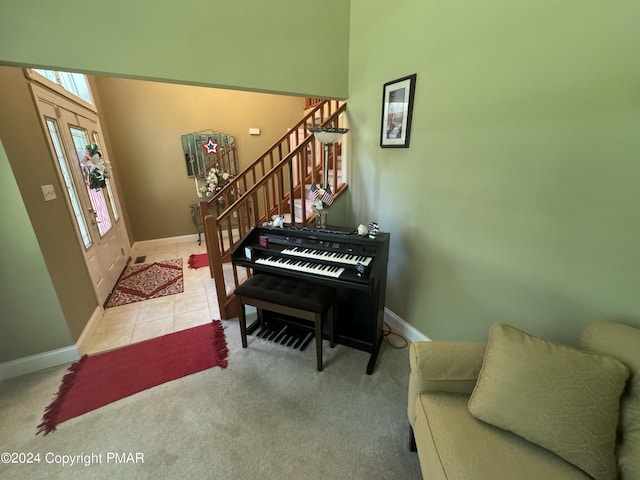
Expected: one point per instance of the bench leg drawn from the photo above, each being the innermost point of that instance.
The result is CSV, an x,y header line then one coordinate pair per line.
x,y
319,340
260,314
331,315
243,325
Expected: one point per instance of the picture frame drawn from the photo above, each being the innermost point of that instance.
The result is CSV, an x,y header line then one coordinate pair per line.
x,y
397,111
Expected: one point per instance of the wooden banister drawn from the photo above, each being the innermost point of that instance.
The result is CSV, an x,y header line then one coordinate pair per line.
x,y
274,184
312,102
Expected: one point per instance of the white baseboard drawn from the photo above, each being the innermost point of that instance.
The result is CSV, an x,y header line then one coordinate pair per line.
x,y
89,330
167,241
398,325
40,361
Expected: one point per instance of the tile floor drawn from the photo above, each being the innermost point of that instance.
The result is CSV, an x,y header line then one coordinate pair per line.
x,y
147,319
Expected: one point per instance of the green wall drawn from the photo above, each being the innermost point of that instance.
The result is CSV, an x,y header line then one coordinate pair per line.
x,y
519,198
276,46
28,299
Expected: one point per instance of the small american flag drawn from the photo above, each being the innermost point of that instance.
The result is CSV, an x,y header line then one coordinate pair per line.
x,y
327,196
324,194
313,192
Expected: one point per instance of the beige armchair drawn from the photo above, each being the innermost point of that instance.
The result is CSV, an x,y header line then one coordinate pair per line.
x,y
519,407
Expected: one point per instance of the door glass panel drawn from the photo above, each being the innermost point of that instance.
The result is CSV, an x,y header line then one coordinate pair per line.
x,y
75,83
68,181
112,201
98,202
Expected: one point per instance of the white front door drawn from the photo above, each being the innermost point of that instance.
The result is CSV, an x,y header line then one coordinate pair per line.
x,y
69,128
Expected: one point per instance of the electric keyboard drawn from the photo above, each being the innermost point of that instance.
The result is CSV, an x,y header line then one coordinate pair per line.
x,y
341,257
355,266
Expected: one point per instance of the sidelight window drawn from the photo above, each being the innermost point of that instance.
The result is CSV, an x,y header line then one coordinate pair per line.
x,y
63,163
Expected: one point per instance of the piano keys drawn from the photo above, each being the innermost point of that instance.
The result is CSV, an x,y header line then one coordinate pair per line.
x,y
337,257
302,266
356,266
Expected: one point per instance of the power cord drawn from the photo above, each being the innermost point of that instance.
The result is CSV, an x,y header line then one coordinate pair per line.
x,y
387,333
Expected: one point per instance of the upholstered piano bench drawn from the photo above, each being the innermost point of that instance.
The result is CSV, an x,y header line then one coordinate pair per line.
x,y
290,297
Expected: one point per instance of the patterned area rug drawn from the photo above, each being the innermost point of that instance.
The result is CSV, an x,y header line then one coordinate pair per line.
x,y
148,280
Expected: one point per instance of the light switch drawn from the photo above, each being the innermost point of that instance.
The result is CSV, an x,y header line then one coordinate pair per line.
x,y
254,131
49,192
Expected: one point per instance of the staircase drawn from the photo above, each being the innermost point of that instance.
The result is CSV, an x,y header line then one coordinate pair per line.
x,y
277,183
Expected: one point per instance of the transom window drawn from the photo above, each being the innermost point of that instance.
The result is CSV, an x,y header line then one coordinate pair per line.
x,y
74,83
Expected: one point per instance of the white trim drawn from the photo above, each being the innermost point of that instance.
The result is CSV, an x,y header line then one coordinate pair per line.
x,y
40,361
398,325
166,241
89,330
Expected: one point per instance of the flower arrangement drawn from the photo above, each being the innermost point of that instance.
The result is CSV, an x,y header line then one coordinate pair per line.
x,y
321,197
215,181
96,169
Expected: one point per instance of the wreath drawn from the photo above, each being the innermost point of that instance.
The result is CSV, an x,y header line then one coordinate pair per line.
x,y
96,168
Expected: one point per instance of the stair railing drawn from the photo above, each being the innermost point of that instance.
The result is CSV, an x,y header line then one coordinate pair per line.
x,y
273,185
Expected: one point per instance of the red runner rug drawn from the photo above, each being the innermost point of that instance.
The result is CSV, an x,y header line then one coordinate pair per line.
x,y
97,380
148,280
198,260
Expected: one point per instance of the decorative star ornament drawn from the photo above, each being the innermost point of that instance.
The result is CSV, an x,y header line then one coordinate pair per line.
x,y
210,147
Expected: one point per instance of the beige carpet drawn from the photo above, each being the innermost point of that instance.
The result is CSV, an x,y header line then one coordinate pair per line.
x,y
269,415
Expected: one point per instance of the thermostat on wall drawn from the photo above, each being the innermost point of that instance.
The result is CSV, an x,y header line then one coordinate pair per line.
x,y
254,131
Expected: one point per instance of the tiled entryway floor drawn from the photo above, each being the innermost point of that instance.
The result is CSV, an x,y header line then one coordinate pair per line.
x,y
147,319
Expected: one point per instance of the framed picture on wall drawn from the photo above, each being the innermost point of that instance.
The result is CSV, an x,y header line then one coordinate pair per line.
x,y
397,108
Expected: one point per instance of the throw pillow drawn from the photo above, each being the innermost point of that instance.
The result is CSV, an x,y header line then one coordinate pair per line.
x,y
561,398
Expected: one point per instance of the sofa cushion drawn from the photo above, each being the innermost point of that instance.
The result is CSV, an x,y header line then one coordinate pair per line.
x,y
453,445
623,342
563,399
450,367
